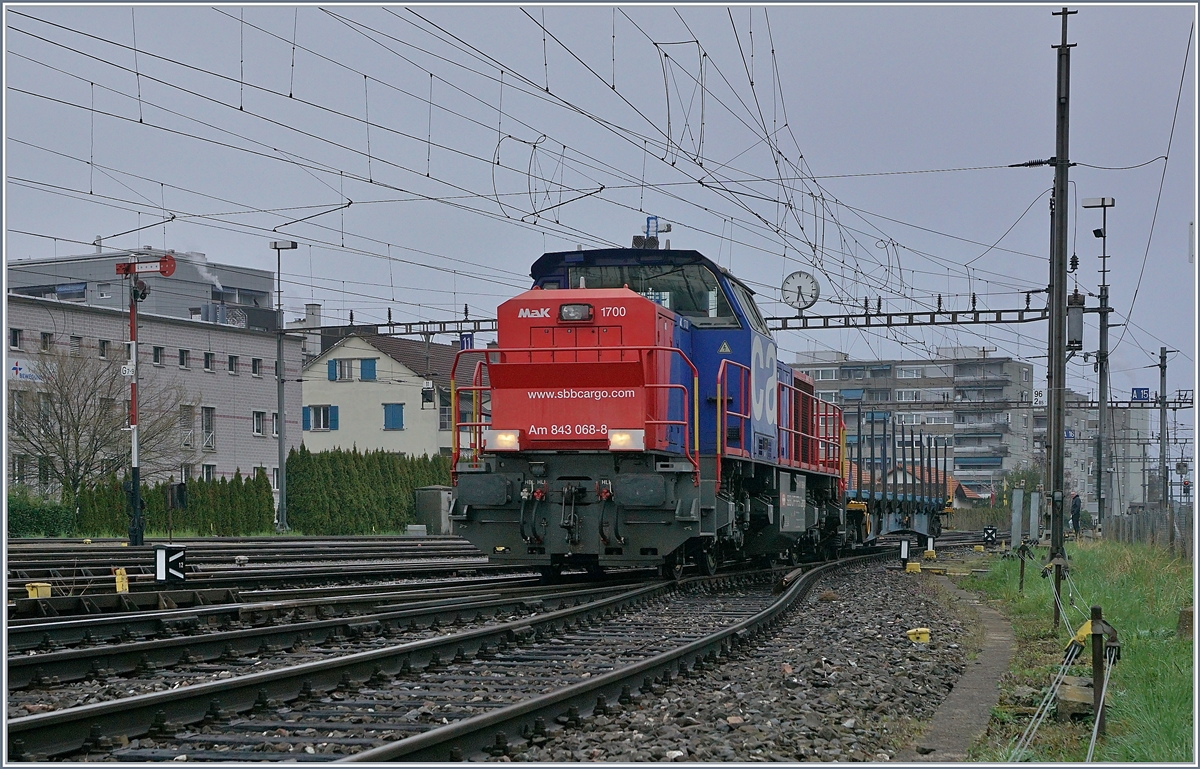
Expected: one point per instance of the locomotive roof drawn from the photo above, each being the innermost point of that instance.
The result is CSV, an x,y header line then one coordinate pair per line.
x,y
550,262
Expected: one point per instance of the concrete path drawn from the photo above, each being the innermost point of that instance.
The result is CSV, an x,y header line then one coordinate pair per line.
x,y
965,712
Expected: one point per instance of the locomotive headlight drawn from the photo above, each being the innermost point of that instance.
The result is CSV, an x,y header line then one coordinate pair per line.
x,y
626,440
575,312
502,440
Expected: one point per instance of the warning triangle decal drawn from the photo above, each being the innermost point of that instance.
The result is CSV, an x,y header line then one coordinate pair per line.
x,y
723,349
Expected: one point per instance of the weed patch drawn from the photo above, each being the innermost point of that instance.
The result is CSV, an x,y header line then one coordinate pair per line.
x,y
1150,696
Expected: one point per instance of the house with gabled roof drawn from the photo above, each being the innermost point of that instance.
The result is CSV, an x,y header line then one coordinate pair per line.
x,y
379,392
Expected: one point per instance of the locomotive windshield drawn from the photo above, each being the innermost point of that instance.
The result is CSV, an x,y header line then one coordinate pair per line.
x,y
688,289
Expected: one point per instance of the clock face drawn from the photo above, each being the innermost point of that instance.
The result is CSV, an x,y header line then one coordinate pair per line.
x,y
801,290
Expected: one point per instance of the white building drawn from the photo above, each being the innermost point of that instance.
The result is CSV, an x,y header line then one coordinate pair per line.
x,y
229,419
378,392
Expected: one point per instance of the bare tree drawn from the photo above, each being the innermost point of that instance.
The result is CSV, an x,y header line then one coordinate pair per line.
x,y
74,417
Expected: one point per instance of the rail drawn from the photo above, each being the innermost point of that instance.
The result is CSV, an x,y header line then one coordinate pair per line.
x,y
475,427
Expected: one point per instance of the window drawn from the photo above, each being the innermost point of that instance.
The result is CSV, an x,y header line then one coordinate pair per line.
x,y
853,373
209,361
208,428
691,290
19,403
903,372
186,471
943,394
881,372
47,341
20,468
1024,395
275,479
320,418
186,426
909,418
45,471
345,369
14,338
233,365
102,346
256,367
393,416
44,409
1025,375
908,396
209,472
256,421
444,414
105,290
879,396
76,345
185,358
939,418
275,423
825,373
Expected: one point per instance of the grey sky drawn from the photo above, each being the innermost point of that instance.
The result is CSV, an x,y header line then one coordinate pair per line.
x,y
844,94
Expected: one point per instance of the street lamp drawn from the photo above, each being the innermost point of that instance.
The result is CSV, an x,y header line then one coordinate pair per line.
x,y
1102,356
281,422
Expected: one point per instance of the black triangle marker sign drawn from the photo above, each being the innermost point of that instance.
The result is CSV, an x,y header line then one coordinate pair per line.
x,y
723,349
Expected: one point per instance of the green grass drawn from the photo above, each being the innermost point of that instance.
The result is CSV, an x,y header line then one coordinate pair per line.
x,y
1150,695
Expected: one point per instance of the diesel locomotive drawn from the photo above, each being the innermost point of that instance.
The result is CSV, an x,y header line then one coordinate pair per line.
x,y
634,412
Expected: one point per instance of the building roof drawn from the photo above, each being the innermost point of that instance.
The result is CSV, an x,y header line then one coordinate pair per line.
x,y
143,315
433,361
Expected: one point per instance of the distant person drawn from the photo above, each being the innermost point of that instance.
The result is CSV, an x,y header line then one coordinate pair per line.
x,y
1076,508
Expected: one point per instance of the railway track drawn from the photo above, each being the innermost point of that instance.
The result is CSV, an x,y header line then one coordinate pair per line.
x,y
390,696
76,570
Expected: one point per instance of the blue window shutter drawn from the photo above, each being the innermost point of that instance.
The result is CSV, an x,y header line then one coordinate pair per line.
x,y
393,416
367,369
332,366
307,419
333,417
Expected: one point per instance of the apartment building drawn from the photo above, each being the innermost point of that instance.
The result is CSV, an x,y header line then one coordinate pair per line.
x,y
963,399
198,289
228,419
1132,451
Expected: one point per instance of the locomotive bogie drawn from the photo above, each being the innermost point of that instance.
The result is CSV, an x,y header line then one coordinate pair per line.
x,y
565,509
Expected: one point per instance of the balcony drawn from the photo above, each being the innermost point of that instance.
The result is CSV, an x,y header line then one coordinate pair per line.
x,y
982,427
984,380
1000,450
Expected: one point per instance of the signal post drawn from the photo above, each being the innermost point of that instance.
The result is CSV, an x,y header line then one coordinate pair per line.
x,y
137,292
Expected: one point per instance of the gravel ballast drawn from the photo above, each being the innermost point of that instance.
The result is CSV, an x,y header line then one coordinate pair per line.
x,y
840,681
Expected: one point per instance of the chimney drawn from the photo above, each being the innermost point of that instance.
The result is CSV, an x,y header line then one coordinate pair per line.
x,y
312,315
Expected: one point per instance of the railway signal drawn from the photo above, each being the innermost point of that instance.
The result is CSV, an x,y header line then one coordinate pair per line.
x,y
138,291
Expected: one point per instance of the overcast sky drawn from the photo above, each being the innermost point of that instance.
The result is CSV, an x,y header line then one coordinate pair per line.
x,y
471,140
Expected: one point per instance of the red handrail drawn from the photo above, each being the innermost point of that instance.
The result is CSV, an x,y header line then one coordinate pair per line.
x,y
809,431
723,412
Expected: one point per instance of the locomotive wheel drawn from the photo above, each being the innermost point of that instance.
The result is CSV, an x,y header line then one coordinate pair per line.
x,y
707,560
673,567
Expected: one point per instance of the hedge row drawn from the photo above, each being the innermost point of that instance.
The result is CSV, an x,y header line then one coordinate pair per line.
x,y
29,516
353,492
233,507
331,492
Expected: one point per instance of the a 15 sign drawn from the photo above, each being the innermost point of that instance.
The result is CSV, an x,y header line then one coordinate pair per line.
x,y
1140,394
